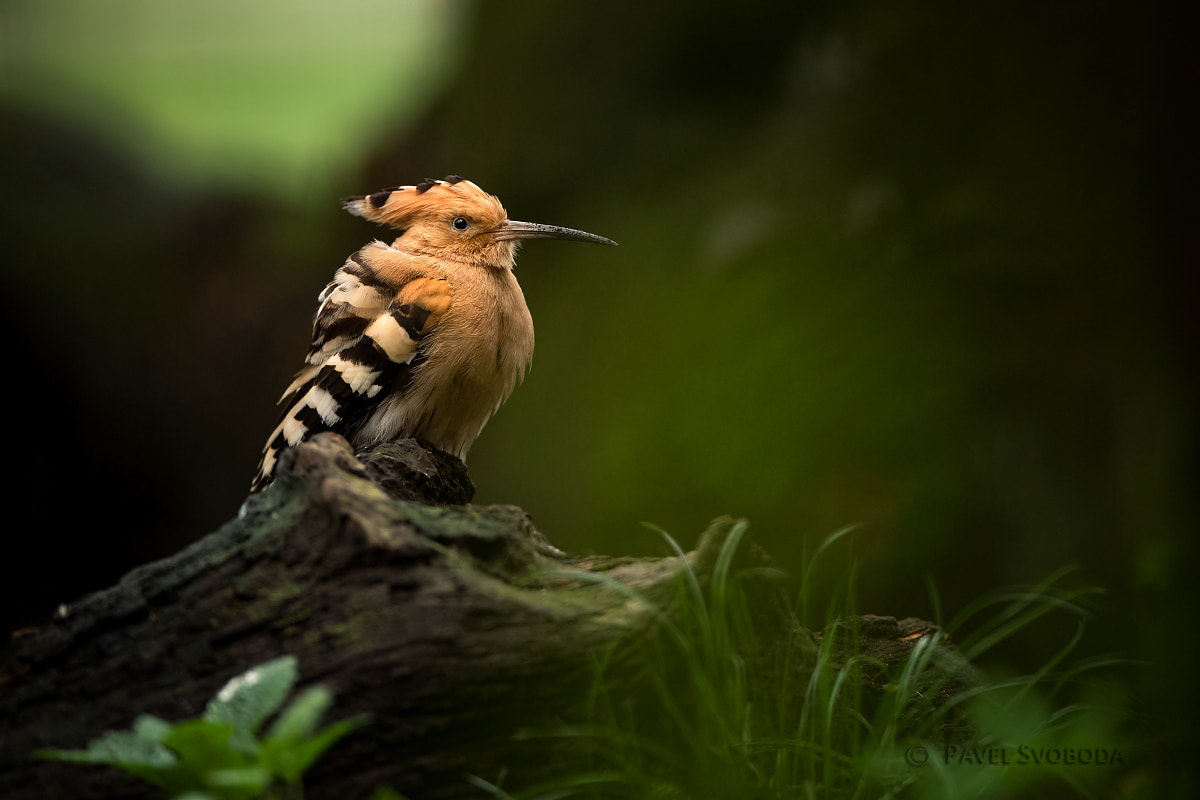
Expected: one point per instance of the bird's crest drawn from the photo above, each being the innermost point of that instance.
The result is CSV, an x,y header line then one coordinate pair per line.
x,y
400,206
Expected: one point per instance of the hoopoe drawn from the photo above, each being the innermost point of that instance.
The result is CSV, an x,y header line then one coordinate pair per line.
x,y
425,337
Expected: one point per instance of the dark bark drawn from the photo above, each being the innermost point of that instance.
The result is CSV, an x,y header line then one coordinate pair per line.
x,y
453,626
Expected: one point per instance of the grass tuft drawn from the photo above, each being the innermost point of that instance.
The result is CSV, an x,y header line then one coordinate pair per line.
x,y
727,713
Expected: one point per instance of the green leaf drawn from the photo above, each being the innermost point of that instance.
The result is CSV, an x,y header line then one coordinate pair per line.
x,y
216,755
301,716
204,745
119,748
291,747
247,700
131,751
252,780
289,757
150,728
206,759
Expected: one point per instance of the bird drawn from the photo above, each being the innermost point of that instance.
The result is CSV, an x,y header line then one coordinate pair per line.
x,y
425,337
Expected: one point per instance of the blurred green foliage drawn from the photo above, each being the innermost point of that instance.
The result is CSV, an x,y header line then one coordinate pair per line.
x,y
279,97
219,755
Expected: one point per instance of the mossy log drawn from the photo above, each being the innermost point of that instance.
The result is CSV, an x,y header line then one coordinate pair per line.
x,y
454,626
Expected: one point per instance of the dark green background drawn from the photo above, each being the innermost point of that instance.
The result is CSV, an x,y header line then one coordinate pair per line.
x,y
924,267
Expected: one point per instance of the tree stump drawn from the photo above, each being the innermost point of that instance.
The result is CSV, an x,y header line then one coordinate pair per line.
x,y
454,626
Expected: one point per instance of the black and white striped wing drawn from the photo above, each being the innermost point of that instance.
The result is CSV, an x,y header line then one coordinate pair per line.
x,y
363,339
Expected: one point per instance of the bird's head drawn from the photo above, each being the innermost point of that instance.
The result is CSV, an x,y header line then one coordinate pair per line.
x,y
455,219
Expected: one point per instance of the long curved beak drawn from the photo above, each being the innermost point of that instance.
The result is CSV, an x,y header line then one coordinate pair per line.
x,y
511,229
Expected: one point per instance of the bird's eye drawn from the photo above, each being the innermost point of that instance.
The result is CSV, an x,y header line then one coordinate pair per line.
x,y
460,223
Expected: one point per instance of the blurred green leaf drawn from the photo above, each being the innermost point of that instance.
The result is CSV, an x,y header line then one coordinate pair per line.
x,y
204,744
151,728
121,748
218,750
301,716
226,90
289,758
252,780
249,699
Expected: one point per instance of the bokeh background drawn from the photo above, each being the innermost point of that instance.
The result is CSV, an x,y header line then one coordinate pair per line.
x,y
919,266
